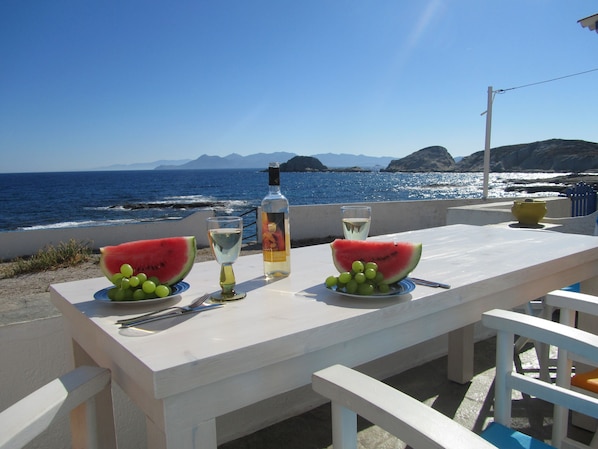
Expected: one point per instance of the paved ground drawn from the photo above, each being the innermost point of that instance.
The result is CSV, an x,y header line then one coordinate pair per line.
x,y
469,404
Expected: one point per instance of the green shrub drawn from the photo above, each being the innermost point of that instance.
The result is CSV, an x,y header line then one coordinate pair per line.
x,y
50,258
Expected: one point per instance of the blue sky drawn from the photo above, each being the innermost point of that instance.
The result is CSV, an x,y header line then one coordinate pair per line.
x,y
85,83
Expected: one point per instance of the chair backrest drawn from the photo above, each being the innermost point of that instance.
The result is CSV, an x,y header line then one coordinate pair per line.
x,y
568,303
421,426
28,418
569,339
583,199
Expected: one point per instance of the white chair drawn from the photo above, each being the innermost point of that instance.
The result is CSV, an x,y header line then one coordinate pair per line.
x,y
585,381
422,427
75,391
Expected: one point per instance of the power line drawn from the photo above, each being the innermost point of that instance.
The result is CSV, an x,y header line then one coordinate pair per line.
x,y
502,91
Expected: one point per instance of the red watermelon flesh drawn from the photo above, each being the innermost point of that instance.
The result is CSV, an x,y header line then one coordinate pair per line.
x,y
169,259
395,259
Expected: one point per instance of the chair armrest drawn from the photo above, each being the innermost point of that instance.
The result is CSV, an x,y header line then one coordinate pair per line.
x,y
411,421
577,341
27,418
580,302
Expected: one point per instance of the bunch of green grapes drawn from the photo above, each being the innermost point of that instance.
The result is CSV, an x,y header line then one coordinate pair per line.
x,y
129,287
363,279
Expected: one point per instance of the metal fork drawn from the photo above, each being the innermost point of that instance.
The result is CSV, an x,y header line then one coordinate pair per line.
x,y
196,302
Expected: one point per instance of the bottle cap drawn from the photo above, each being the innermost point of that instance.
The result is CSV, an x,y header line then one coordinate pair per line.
x,y
274,174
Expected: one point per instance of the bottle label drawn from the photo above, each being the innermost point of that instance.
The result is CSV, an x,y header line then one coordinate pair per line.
x,y
273,237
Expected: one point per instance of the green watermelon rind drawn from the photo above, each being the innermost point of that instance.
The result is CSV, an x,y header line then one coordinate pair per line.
x,y
138,252
361,247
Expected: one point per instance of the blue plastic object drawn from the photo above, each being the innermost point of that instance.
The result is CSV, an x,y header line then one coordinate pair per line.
x,y
506,438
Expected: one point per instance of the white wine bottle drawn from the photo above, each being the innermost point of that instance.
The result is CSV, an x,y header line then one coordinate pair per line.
x,y
276,235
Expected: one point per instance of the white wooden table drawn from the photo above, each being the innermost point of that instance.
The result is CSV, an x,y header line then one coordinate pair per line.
x,y
190,371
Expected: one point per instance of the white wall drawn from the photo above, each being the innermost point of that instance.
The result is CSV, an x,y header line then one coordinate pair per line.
x,y
500,212
324,220
24,243
313,221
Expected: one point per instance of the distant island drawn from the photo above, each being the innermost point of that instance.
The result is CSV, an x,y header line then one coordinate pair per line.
x,y
553,155
261,161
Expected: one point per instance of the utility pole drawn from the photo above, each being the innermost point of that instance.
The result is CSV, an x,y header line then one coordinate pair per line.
x,y
487,146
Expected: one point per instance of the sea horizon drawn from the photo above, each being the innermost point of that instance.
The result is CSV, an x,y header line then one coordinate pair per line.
x,y
44,200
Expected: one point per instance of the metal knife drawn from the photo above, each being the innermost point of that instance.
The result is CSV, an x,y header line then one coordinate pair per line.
x,y
172,314
429,283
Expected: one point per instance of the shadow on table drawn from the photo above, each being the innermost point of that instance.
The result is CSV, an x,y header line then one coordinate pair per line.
x,y
321,293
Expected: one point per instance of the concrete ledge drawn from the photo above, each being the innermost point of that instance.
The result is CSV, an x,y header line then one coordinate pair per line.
x,y
500,212
307,222
24,243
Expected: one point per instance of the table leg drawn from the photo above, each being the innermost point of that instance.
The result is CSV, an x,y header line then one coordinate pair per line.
x,y
460,354
93,426
202,436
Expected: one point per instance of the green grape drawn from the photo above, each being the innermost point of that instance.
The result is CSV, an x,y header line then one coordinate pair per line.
x,y
371,265
345,277
125,283
126,270
149,287
138,294
142,278
331,281
116,278
379,278
352,286
134,281
162,291
370,273
365,289
112,294
120,295
383,288
359,277
155,280
358,266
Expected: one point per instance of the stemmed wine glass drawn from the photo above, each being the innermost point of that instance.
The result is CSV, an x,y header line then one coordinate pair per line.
x,y
225,235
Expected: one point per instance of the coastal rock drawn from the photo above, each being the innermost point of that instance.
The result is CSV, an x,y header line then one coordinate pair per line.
x,y
430,159
557,155
302,164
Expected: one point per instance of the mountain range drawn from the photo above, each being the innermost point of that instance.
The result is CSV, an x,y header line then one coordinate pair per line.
x,y
261,160
143,165
547,155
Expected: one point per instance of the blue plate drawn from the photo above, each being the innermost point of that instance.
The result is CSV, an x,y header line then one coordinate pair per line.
x,y
400,288
177,289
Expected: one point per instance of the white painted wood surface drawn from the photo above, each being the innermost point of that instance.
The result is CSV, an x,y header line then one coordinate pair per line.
x,y
186,372
415,423
76,391
567,339
421,427
569,303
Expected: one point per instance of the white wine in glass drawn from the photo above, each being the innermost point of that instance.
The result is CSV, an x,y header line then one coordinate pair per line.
x,y
356,222
225,235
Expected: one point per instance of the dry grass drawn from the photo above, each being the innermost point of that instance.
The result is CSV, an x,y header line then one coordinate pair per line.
x,y
63,255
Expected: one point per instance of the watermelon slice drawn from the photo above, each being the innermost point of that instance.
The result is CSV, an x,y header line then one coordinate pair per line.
x,y
395,259
169,259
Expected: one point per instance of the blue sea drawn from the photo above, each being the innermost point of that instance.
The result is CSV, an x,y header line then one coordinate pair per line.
x,y
51,200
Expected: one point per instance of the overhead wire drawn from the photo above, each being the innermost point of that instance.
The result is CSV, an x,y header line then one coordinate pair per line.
x,y
502,91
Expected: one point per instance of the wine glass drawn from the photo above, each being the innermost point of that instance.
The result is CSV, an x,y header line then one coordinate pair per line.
x,y
225,235
356,222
